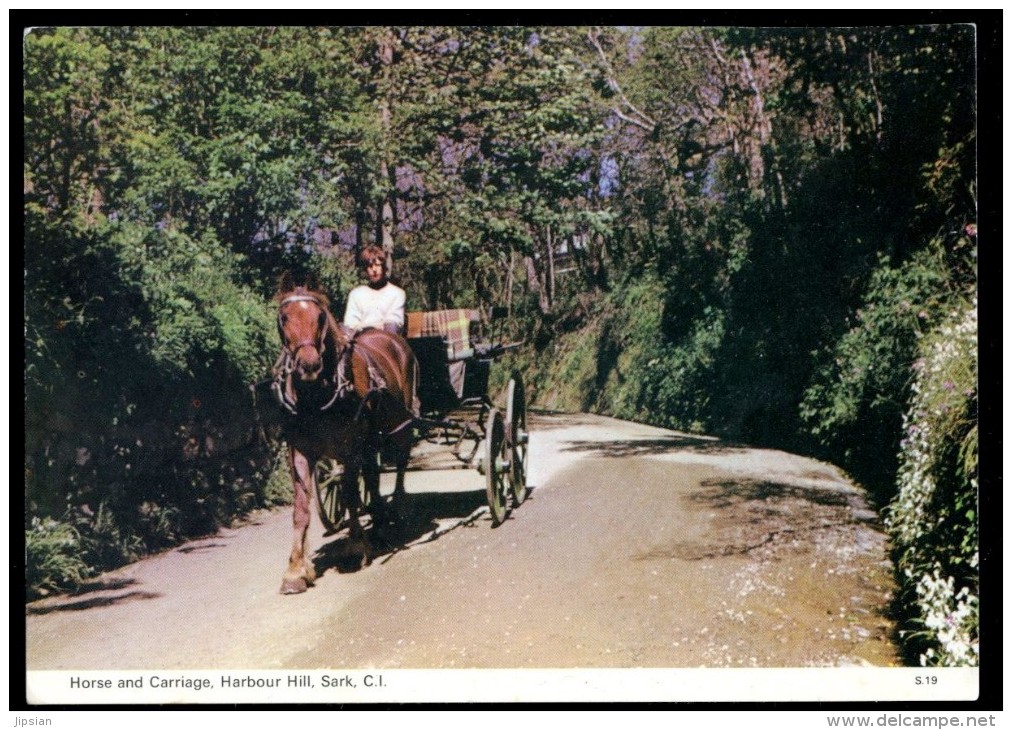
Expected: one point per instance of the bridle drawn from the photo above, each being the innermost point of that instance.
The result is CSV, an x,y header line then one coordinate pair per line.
x,y
321,345
285,365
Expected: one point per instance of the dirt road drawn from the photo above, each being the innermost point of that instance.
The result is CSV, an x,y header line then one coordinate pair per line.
x,y
638,547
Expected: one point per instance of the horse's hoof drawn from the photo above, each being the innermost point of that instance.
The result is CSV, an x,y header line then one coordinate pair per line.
x,y
291,586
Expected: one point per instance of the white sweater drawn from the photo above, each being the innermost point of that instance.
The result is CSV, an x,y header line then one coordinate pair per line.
x,y
383,307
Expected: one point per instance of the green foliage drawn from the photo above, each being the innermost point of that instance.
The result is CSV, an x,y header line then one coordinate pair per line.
x,y
53,558
508,172
105,543
622,364
649,378
568,377
142,329
199,312
855,403
278,480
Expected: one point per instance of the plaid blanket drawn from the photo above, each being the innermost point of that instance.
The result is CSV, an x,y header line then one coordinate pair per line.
x,y
453,325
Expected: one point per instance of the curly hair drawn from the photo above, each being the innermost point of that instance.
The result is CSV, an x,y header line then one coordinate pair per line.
x,y
369,254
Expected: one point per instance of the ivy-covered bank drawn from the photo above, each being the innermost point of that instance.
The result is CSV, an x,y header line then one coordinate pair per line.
x,y
933,519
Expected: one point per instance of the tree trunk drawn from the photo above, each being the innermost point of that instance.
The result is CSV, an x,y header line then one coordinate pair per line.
x,y
387,212
769,155
509,284
550,273
535,282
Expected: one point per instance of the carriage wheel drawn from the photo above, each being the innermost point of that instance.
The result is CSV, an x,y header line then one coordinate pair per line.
x,y
516,437
496,466
327,474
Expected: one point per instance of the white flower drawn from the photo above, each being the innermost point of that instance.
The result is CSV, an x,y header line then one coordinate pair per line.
x,y
950,617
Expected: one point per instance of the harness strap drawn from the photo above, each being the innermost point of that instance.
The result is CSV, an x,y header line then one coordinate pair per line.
x,y
401,427
374,392
285,365
299,298
343,382
279,393
361,405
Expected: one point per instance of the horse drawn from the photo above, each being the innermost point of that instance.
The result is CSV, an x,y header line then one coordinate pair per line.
x,y
345,395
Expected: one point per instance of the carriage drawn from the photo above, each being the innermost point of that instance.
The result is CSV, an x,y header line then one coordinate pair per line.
x,y
351,405
457,417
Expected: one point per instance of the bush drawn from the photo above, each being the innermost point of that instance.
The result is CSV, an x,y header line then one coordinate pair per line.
x,y
53,558
621,363
105,544
668,383
933,519
278,482
855,402
140,431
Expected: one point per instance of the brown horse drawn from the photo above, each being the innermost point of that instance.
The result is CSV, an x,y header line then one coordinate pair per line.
x,y
346,395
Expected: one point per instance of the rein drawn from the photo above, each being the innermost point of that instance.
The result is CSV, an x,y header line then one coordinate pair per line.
x,y
283,369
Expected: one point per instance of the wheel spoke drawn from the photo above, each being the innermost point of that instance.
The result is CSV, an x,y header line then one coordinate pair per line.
x,y
327,475
496,466
516,429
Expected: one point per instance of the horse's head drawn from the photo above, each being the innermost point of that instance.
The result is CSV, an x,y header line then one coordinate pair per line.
x,y
303,325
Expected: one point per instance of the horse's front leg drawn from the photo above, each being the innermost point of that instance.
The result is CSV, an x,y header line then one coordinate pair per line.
x,y
300,574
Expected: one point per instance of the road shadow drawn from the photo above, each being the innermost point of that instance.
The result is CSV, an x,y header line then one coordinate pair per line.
x,y
199,548
109,584
722,493
546,420
747,515
420,518
85,597
649,447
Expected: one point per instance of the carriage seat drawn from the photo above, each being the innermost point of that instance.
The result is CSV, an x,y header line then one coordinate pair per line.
x,y
452,325
438,329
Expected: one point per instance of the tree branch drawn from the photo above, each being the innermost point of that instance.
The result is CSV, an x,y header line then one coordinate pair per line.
x,y
641,119
626,118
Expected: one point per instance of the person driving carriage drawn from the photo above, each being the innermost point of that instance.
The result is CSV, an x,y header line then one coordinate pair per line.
x,y
378,303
